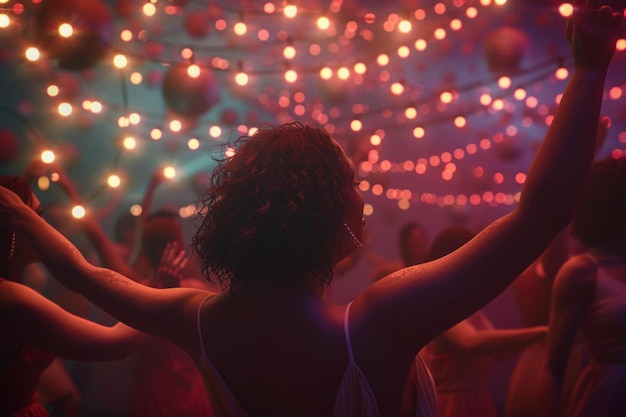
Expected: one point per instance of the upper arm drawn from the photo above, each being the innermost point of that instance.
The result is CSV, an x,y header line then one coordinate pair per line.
x,y
39,322
163,313
419,302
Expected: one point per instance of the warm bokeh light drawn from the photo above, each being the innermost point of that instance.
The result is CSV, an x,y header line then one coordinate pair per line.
x,y
241,78
310,74
566,9
114,181
129,142
120,61
66,30
78,212
32,54
47,156
169,172
290,11
194,70
65,109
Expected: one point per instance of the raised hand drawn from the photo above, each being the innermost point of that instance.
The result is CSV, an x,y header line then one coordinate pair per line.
x,y
592,31
173,262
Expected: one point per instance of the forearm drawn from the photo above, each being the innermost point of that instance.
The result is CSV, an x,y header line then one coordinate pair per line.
x,y
68,266
559,170
505,342
106,250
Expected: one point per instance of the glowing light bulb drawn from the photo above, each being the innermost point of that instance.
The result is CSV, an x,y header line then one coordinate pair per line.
x,y
290,11
32,54
193,71
241,78
323,23
66,30
120,61
405,26
65,109
78,211
289,52
149,9
291,76
129,143
240,28
114,181
169,172
47,156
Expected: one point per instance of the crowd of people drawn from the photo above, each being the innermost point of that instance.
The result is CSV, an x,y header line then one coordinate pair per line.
x,y
278,216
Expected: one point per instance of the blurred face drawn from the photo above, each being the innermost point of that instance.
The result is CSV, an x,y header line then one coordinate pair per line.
x,y
416,244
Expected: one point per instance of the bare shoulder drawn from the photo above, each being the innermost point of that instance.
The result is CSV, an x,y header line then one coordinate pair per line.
x,y
578,274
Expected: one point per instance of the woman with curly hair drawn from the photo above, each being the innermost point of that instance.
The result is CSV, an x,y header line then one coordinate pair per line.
x,y
589,297
281,212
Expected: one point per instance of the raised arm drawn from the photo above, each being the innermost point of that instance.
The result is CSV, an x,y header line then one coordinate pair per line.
x,y
492,342
415,304
154,311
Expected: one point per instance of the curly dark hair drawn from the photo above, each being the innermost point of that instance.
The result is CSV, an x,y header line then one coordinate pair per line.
x,y
23,190
273,212
600,218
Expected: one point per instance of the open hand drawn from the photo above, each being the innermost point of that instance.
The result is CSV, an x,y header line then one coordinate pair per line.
x,y
593,31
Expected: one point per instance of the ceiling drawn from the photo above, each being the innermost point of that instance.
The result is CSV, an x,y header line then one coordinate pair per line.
x,y
475,134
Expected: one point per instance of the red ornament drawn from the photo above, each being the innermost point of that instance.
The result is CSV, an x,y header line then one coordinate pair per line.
x,y
9,146
505,49
198,24
187,95
92,26
128,8
229,116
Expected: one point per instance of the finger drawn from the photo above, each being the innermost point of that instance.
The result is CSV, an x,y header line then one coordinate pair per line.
x,y
180,257
183,264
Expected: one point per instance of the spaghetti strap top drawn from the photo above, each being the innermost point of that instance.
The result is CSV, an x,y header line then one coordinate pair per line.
x,y
354,396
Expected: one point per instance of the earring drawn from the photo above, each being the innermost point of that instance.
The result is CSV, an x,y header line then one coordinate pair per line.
x,y
12,250
355,240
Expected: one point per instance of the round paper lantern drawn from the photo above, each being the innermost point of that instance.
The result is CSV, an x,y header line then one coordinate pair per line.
x,y
9,146
154,78
505,49
127,8
152,50
197,24
68,154
92,31
69,86
189,95
229,116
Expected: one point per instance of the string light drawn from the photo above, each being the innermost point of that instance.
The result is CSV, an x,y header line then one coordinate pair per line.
x,y
328,115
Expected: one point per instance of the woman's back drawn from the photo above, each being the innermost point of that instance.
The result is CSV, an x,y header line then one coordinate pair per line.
x,y
293,355
289,354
